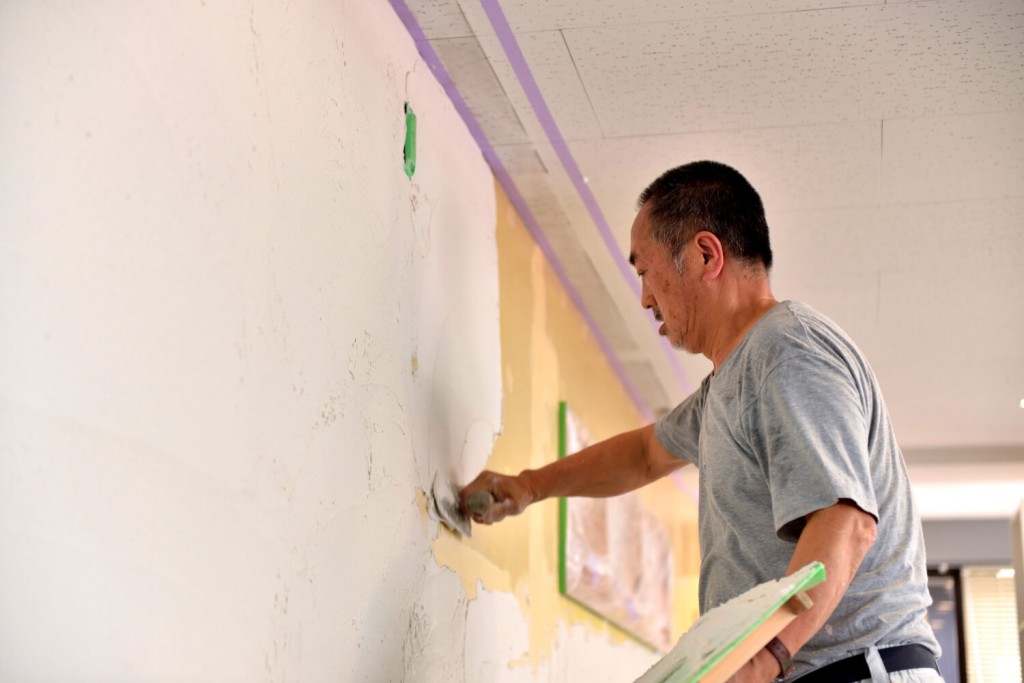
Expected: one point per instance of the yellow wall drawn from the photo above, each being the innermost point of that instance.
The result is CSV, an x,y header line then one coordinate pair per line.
x,y
549,355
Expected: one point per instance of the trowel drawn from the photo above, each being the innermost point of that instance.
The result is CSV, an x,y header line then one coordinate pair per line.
x,y
447,509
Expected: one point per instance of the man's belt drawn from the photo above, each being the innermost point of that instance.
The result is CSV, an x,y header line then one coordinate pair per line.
x,y
855,668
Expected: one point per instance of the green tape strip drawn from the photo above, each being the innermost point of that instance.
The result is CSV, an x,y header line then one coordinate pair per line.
x,y
410,141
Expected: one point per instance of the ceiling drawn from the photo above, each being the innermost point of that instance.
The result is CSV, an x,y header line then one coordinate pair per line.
x,y
886,140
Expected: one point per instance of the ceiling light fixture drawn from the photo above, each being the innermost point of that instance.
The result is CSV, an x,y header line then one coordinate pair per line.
x,y
1005,573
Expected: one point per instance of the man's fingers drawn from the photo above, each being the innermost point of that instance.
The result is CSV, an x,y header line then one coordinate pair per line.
x,y
500,510
478,502
493,511
491,497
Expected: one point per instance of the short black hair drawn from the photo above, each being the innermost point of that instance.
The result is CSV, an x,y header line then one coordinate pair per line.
x,y
707,195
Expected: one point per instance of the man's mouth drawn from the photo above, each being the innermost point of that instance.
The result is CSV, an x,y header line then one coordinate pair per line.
x,y
663,330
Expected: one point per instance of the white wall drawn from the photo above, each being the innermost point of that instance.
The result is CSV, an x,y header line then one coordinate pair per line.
x,y
235,342
214,279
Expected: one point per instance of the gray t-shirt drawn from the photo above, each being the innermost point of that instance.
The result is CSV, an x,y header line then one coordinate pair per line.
x,y
791,422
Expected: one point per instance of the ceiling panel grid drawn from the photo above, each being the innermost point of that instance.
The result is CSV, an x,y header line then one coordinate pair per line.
x,y
886,139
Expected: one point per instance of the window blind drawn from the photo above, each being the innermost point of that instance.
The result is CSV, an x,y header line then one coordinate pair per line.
x,y
990,625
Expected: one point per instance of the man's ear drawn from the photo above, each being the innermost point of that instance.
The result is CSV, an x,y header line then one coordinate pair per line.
x,y
712,254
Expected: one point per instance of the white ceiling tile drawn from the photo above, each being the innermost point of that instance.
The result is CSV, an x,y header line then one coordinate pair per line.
x,y
934,240
854,63
953,317
797,168
952,320
530,15
552,68
815,245
969,240
955,402
953,158
551,63
954,270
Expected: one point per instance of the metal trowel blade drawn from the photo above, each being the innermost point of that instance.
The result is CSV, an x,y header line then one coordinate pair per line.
x,y
446,506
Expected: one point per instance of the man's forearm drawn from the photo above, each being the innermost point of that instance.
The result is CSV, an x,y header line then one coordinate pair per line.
x,y
839,537
609,468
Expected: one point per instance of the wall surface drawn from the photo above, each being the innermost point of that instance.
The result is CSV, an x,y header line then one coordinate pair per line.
x,y
237,341
236,345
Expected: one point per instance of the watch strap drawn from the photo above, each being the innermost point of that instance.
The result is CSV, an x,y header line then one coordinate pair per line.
x,y
781,653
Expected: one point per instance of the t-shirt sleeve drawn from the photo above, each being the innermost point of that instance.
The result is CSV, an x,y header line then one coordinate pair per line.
x,y
809,430
679,431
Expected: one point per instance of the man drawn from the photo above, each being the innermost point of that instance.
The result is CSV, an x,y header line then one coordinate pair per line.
x,y
796,455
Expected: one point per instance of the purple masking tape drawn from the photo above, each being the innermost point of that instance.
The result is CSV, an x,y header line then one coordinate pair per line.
x,y
505,179
547,121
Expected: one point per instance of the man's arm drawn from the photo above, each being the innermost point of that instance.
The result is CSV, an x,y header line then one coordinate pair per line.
x,y
839,537
614,466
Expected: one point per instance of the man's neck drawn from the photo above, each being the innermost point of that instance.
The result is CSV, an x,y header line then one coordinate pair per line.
x,y
738,309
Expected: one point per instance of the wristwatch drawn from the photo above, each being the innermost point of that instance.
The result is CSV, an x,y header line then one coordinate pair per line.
x,y
781,653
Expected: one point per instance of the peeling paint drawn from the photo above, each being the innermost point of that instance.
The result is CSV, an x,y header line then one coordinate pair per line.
x,y
473,569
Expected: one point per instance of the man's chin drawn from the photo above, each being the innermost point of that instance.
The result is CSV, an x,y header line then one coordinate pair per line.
x,y
677,343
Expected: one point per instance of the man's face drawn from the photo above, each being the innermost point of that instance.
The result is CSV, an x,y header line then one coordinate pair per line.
x,y
669,293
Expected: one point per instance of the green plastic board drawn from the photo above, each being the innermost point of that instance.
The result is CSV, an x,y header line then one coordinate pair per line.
x,y
722,629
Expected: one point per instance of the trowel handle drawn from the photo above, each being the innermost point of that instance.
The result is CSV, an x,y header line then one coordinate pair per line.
x,y
479,501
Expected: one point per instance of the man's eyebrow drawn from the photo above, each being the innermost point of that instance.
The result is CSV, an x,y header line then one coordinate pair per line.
x,y
632,258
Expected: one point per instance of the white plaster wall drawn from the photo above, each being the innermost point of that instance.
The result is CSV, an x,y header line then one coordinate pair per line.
x,y
235,340
214,280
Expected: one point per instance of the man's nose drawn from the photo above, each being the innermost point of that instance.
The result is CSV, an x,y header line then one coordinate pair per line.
x,y
646,298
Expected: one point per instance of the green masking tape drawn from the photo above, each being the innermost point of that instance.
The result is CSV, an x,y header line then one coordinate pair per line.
x,y
410,141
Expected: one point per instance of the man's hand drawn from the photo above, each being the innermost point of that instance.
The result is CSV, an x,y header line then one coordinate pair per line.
x,y
511,496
